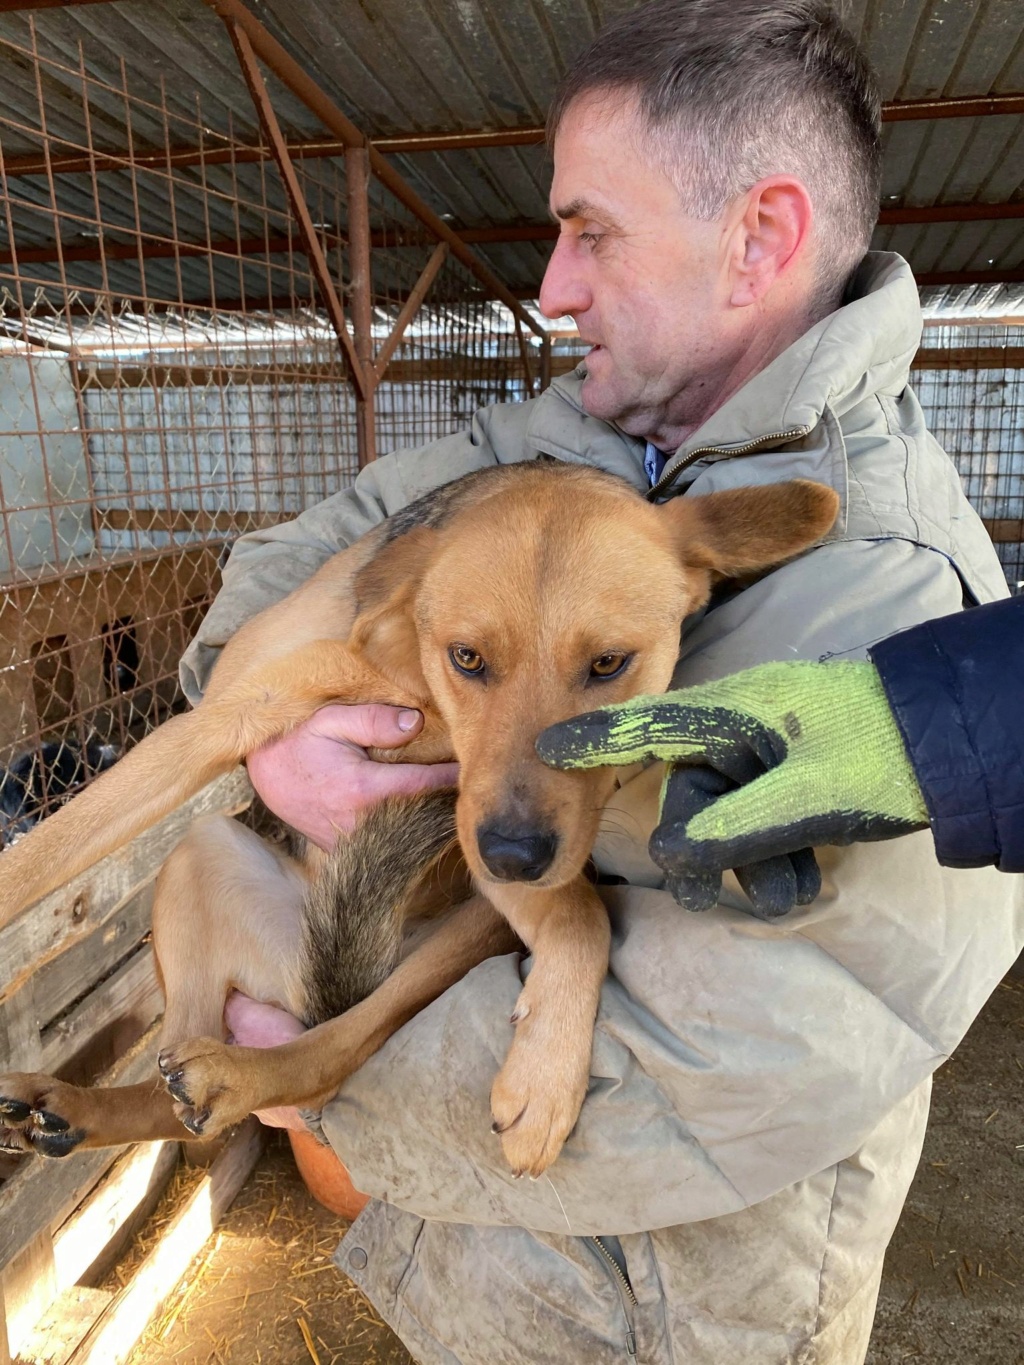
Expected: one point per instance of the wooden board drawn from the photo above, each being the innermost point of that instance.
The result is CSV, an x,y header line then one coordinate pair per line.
x,y
71,914
132,1185
121,1322
43,1192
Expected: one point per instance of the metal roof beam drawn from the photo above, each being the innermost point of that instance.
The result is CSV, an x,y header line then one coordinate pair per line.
x,y
406,143
510,233
289,72
9,6
1012,276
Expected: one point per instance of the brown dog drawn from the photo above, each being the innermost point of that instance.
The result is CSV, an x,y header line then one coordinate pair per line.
x,y
498,605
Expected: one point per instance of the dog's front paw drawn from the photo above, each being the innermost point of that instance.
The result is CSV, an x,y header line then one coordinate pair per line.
x,y
208,1081
537,1095
39,1114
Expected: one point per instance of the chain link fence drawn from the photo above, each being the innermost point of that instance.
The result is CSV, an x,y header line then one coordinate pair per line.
x,y
170,380
970,381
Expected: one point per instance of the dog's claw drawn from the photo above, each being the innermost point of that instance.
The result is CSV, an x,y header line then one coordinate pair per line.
x,y
177,1090
51,1123
17,1111
57,1144
499,1128
195,1123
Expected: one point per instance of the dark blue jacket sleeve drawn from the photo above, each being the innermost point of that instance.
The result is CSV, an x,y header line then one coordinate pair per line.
x,y
956,687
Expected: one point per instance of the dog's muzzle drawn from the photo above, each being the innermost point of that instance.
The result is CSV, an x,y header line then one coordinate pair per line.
x,y
516,857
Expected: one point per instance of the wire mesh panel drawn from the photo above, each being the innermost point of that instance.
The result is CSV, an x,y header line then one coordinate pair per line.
x,y
970,382
169,380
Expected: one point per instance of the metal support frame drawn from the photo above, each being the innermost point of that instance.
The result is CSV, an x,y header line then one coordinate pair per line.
x,y
406,144
357,179
314,251
513,232
411,307
305,89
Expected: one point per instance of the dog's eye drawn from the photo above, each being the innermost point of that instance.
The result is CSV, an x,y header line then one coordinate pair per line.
x,y
608,665
466,660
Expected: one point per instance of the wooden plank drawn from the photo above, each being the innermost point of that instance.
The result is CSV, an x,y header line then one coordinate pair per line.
x,y
114,1335
64,1324
1005,530
455,368
19,1030
969,358
53,1313
44,1192
64,980
133,1184
176,519
130,998
28,1288
71,913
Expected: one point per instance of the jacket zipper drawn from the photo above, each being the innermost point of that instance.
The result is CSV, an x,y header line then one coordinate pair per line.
x,y
626,1295
670,472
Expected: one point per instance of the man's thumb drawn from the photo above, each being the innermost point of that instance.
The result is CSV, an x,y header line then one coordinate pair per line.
x,y
372,725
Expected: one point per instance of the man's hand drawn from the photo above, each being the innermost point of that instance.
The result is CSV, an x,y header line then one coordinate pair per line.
x,y
318,777
761,766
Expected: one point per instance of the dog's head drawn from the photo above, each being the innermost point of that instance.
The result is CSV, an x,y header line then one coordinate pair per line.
x,y
544,592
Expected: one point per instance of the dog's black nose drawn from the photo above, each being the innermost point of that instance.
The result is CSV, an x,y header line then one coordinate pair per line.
x,y
516,857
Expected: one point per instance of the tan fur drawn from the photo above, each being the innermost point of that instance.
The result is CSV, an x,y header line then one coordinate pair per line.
x,y
541,569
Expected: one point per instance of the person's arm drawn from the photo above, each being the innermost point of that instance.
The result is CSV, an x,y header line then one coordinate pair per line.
x,y
956,688
783,756
731,1058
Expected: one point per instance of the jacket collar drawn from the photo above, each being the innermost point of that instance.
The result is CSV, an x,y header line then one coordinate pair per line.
x,y
863,348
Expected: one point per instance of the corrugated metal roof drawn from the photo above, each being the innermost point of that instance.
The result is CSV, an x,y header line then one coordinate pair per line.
x,y
465,64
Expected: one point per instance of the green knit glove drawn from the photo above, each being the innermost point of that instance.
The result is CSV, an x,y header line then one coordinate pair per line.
x,y
762,765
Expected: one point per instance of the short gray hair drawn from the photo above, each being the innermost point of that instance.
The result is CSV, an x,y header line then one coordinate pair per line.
x,y
731,91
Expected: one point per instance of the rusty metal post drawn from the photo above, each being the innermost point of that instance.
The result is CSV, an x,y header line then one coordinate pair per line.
x,y
357,174
311,242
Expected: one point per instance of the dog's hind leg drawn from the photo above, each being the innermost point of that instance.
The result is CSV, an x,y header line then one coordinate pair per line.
x,y
353,918
231,1082
227,914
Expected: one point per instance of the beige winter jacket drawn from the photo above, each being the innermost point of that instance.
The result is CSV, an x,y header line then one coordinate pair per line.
x,y
759,1093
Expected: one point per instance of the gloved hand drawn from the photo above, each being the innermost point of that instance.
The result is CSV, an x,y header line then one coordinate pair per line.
x,y
761,766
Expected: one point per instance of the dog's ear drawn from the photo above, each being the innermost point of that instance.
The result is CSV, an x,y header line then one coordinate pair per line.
x,y
745,529
384,631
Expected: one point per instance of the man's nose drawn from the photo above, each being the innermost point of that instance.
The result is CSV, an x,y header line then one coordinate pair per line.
x,y
563,290
516,856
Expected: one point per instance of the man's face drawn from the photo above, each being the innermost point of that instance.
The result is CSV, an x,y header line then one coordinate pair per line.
x,y
643,280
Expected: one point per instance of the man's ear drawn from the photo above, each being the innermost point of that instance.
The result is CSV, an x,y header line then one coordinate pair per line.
x,y
770,236
384,631
745,529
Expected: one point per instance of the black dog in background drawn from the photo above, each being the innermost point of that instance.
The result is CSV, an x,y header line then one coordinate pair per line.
x,y
38,781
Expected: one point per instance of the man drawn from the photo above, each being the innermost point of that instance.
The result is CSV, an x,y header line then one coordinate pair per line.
x,y
758,1096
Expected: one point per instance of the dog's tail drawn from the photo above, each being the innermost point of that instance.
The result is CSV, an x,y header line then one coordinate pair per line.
x,y
352,928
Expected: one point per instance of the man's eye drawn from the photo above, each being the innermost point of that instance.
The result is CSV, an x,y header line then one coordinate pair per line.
x,y
466,660
591,238
608,665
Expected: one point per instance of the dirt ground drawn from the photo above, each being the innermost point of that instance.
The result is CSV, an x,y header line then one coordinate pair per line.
x,y
265,1290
